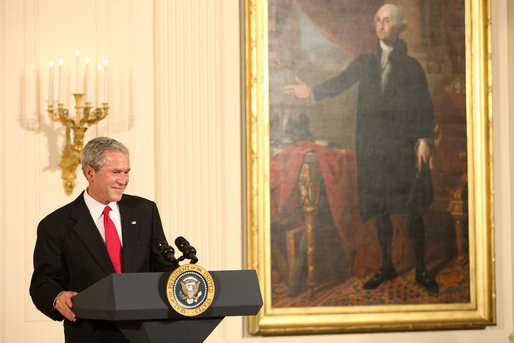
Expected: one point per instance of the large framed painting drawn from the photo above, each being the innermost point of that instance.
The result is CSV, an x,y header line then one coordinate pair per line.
x,y
368,164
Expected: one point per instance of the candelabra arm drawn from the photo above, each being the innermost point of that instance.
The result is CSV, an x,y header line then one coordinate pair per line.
x,y
87,113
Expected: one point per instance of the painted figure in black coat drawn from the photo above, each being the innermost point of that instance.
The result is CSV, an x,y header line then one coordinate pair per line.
x,y
71,254
393,138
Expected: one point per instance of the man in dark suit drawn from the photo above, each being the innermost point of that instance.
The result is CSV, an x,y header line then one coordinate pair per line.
x,y
73,247
392,140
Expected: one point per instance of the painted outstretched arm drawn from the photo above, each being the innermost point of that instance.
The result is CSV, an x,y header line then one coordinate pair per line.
x,y
299,90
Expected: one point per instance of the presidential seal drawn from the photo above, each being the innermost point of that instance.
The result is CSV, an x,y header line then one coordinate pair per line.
x,y
190,290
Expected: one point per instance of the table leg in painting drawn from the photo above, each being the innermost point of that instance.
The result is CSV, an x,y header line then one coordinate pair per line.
x,y
456,208
309,187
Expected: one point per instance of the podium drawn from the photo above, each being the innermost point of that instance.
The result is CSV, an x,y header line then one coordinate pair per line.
x,y
137,304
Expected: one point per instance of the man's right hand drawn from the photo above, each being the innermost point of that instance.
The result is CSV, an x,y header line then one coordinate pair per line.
x,y
300,90
63,304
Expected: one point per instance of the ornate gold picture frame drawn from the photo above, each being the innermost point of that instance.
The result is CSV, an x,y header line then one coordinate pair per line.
x,y
314,254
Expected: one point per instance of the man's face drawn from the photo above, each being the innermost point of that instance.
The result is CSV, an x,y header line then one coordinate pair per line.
x,y
109,182
385,26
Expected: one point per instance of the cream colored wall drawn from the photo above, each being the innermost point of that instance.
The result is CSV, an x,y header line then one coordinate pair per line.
x,y
176,102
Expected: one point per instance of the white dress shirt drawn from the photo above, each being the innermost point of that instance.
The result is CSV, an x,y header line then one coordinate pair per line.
x,y
96,209
384,64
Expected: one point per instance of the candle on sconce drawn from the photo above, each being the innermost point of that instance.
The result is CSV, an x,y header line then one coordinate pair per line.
x,y
99,67
88,90
77,86
61,62
105,81
51,85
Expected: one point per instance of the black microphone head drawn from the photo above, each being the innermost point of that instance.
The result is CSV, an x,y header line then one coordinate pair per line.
x,y
187,250
167,251
165,248
181,243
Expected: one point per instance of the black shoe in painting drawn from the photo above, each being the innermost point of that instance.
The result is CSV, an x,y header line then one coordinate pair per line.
x,y
427,282
379,277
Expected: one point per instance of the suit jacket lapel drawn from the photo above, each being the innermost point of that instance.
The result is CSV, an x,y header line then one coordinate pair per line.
x,y
86,230
130,226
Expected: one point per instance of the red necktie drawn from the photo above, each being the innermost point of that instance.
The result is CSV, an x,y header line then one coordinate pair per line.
x,y
112,241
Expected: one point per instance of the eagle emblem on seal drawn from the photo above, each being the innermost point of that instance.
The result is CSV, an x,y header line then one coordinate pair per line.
x,y
189,292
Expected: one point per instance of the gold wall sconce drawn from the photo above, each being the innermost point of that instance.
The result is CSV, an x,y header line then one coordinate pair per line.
x,y
85,117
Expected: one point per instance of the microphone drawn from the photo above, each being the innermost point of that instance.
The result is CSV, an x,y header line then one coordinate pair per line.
x,y
168,252
187,250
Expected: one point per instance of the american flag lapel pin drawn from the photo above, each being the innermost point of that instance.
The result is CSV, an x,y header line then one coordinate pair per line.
x,y
133,222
